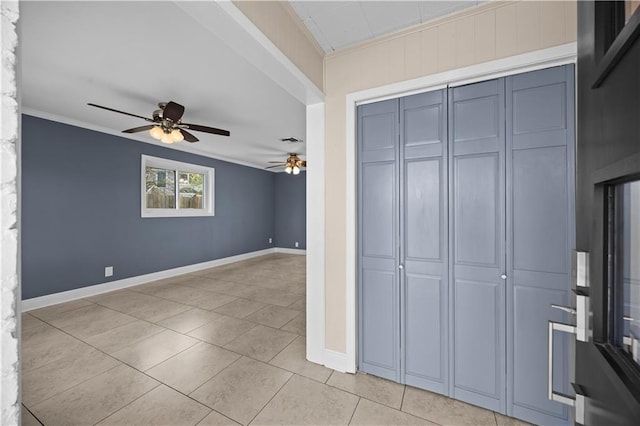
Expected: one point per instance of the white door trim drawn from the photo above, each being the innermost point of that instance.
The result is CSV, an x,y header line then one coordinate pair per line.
x,y
554,56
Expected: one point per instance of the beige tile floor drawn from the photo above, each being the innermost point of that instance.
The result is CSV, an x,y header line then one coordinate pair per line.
x,y
223,346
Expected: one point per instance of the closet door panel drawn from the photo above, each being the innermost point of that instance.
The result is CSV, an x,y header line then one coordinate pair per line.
x,y
423,209
379,319
477,210
540,220
540,210
378,208
477,204
424,252
424,330
378,205
480,338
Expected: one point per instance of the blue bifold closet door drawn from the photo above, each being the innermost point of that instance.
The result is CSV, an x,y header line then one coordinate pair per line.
x,y
477,232
378,240
540,236
423,240
466,218
403,300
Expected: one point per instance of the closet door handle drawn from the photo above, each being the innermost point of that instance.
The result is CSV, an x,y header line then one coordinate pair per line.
x,y
578,401
503,276
553,395
400,266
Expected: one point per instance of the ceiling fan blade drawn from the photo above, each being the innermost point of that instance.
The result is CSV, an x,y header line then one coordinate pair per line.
x,y
273,167
173,111
213,130
277,162
188,136
139,129
120,112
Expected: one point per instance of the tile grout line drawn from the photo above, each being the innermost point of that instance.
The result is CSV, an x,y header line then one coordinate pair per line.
x,y
354,411
271,399
282,350
326,382
160,383
207,381
360,396
154,365
31,412
137,317
290,321
215,411
77,384
129,403
294,372
31,312
171,300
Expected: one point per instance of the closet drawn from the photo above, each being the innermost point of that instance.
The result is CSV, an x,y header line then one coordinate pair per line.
x,y
465,231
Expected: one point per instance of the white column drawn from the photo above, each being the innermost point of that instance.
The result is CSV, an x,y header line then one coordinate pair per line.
x,y
315,234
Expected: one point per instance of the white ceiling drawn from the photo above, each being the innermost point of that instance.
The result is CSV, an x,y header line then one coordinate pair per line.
x,y
131,55
338,24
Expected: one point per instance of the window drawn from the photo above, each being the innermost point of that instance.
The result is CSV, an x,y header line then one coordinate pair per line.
x,y
171,188
624,267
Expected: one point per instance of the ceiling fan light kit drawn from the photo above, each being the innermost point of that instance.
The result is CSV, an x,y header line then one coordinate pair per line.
x,y
166,135
292,164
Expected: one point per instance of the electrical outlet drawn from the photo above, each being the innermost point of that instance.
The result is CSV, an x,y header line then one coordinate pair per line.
x,y
108,271
270,240
296,244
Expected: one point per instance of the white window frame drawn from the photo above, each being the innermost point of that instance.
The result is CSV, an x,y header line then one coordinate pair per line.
x,y
208,190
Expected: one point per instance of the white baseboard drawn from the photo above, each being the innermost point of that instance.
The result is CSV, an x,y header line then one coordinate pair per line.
x,y
92,290
337,361
290,250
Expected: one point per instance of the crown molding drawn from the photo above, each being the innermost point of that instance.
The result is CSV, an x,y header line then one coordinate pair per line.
x,y
89,126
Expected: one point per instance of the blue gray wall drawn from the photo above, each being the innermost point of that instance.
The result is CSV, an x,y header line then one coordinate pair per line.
x,y
291,210
81,210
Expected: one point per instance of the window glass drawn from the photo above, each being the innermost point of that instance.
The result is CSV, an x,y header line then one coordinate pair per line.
x,y
630,265
624,268
160,188
191,187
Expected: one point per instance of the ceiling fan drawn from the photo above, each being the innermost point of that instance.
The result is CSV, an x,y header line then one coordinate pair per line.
x,y
291,165
167,124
